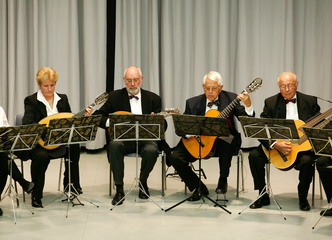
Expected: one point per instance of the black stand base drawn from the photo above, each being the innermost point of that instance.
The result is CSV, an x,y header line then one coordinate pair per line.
x,y
224,200
202,197
71,196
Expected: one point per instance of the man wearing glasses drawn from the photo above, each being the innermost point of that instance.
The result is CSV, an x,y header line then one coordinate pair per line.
x,y
287,104
132,98
216,98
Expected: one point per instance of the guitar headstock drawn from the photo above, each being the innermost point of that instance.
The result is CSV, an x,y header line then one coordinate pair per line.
x,y
169,111
101,98
256,83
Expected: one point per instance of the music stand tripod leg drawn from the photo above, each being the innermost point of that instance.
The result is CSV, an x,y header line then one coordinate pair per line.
x,y
267,190
136,184
199,189
9,191
328,207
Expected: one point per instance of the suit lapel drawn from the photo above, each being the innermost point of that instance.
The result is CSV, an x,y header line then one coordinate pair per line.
x,y
125,101
42,109
224,101
280,107
202,105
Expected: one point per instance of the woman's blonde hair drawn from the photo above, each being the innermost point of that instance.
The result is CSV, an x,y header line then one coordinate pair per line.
x,y
46,73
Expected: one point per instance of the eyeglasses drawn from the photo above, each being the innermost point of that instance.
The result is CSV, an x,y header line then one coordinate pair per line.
x,y
134,80
212,89
289,86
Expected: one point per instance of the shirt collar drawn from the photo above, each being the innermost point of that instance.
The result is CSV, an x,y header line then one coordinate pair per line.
x,y
41,98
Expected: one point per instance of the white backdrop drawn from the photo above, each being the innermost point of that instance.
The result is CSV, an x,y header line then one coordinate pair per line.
x,y
174,41
68,35
177,42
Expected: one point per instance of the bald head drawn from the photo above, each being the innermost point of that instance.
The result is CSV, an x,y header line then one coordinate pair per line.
x,y
133,79
287,83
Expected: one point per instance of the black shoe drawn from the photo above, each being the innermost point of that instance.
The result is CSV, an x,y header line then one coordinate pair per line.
x,y
1,212
263,201
304,205
28,186
79,190
37,203
222,186
195,196
141,194
327,213
118,198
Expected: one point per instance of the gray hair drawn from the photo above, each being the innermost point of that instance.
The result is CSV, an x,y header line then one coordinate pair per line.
x,y
214,76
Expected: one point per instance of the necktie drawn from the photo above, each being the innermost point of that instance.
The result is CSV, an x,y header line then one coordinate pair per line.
x,y
133,96
210,104
293,100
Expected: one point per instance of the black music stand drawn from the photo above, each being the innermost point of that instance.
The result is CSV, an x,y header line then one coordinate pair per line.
x,y
140,127
268,129
18,138
200,126
321,142
67,131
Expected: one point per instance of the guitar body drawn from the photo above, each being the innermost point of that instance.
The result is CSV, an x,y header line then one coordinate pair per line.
x,y
47,121
192,144
99,100
287,162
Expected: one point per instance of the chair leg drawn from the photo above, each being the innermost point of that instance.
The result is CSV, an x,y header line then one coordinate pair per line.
x,y
17,200
22,171
111,182
239,169
313,187
60,172
163,173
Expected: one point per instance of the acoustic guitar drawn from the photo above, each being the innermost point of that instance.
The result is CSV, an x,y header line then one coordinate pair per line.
x,y
286,162
193,144
166,113
99,100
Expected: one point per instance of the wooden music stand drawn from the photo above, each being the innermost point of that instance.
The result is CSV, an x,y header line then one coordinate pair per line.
x,y
67,131
268,129
200,126
140,127
321,142
18,138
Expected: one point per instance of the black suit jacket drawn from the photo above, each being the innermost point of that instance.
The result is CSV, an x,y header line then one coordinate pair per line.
x,y
275,107
197,106
34,110
118,100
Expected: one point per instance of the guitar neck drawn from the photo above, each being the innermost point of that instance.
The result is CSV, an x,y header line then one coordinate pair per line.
x,y
225,113
320,117
81,113
313,123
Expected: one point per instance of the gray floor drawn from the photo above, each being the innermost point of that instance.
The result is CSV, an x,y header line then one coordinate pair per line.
x,y
144,219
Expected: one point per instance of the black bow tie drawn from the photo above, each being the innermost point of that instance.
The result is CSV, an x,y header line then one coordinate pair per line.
x,y
293,100
216,102
133,96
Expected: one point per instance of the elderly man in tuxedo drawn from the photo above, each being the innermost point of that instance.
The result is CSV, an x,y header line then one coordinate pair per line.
x,y
132,98
287,104
214,98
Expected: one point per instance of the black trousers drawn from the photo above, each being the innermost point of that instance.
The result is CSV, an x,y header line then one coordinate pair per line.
x,y
304,163
324,167
180,159
116,151
5,171
40,159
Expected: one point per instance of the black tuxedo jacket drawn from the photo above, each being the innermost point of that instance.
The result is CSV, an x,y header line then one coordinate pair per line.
x,y
118,100
275,107
197,106
34,110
